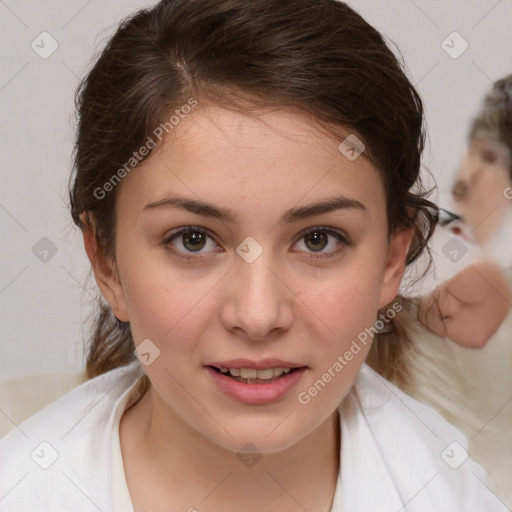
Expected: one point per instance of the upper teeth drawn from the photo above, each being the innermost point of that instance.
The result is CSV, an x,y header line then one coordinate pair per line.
x,y
250,373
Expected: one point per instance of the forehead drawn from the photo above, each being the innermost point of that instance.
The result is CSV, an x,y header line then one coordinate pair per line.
x,y
219,131
487,144
213,149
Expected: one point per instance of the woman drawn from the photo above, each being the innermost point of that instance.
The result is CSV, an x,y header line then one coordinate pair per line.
x,y
472,309
482,189
242,180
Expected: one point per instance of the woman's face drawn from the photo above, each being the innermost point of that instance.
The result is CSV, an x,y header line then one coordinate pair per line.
x,y
480,186
275,278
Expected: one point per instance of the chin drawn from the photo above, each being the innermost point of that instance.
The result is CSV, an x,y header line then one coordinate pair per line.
x,y
256,439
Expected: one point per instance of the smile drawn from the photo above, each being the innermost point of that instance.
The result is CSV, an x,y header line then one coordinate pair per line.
x,y
251,386
252,376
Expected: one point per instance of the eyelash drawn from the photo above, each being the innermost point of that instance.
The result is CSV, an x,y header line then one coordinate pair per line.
x,y
193,229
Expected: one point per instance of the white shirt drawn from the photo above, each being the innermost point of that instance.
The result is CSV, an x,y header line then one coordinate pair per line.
x,y
396,454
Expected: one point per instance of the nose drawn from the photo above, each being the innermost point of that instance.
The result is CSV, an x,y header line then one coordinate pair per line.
x,y
460,186
258,302
459,189
469,171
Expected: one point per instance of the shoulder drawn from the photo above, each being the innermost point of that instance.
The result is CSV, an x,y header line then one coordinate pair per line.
x,y
376,396
409,452
60,457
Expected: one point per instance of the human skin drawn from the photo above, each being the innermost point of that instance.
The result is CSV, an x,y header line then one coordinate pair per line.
x,y
470,307
180,441
480,184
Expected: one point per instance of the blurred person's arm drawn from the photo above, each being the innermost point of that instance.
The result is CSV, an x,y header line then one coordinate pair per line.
x,y
470,307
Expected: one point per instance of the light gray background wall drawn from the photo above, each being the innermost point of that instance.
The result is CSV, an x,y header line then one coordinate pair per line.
x,y
43,304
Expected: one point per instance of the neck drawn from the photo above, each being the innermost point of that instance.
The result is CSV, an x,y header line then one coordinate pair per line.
x,y
178,464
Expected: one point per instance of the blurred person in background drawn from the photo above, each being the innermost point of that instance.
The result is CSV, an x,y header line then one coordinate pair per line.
x,y
482,189
463,340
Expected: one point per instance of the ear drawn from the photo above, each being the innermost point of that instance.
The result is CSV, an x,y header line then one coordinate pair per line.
x,y
395,265
104,269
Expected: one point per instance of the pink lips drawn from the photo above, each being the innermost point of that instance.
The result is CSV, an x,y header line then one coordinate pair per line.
x,y
256,394
263,364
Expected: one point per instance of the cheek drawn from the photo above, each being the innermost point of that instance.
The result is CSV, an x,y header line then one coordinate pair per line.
x,y
486,194
345,306
341,337
160,302
158,295
173,305
163,304
499,181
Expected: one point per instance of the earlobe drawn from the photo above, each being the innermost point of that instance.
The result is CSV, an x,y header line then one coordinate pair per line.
x,y
104,272
395,265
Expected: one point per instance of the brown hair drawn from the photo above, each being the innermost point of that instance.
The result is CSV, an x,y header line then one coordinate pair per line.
x,y
495,119
315,55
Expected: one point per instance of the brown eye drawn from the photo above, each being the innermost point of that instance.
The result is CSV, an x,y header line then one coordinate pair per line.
x,y
316,240
193,241
489,157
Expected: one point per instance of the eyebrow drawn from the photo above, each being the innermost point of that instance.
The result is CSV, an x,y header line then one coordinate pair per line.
x,y
229,216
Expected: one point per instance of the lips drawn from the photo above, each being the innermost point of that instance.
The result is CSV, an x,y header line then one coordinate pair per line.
x,y
262,364
256,393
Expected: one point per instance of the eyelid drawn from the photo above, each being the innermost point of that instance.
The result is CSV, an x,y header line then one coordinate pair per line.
x,y
187,229
327,229
190,256
339,234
